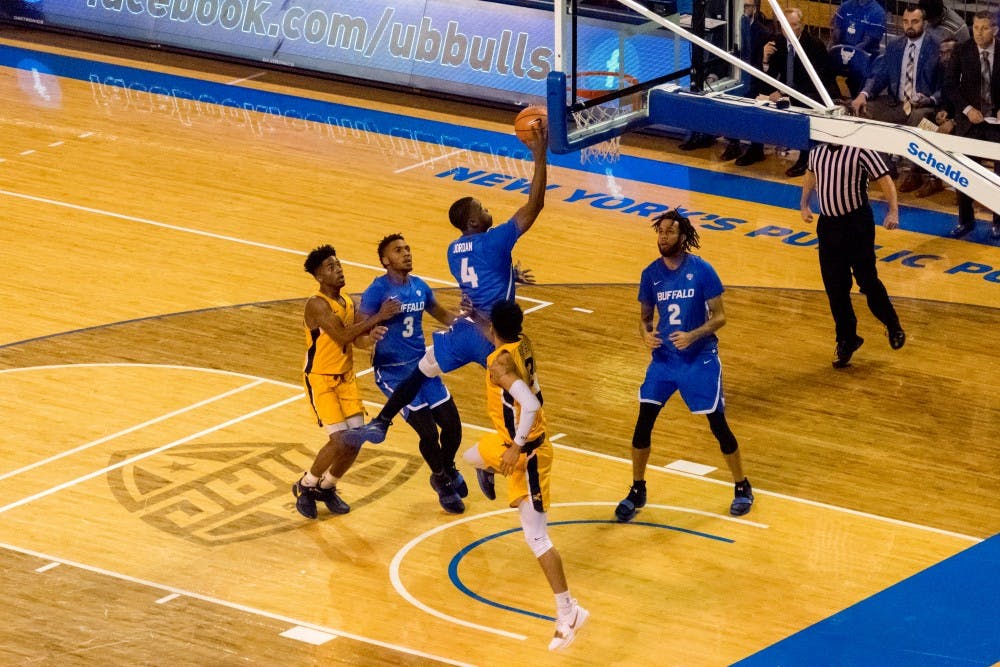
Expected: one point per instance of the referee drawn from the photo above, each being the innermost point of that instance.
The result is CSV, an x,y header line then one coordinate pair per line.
x,y
846,232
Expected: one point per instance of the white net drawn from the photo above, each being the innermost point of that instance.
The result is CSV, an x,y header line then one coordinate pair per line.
x,y
608,150
605,114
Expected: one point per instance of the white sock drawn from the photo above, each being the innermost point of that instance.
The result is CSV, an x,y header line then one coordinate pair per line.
x,y
564,604
328,481
309,479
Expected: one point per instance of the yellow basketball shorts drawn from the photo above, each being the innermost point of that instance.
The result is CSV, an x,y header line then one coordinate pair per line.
x,y
333,398
531,476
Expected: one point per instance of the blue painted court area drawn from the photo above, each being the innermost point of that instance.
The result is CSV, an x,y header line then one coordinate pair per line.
x,y
943,616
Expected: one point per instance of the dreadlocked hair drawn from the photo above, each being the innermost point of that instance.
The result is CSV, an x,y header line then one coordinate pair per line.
x,y
684,225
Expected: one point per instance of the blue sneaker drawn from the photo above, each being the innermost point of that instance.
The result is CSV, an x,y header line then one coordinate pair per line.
x,y
743,500
458,482
635,500
487,483
373,432
447,496
333,502
305,500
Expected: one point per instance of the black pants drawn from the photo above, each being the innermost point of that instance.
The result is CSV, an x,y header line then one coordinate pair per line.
x,y
966,210
846,246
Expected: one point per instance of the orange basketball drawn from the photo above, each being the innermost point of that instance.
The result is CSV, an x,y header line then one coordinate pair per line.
x,y
530,118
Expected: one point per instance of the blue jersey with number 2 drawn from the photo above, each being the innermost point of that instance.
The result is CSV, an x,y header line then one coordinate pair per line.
x,y
482,265
681,300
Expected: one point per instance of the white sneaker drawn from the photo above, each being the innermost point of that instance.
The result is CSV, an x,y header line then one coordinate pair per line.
x,y
566,629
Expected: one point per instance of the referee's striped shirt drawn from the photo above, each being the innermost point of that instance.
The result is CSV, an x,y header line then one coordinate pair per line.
x,y
842,174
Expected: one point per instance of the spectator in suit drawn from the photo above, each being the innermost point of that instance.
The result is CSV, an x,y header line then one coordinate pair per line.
x,y
780,60
910,71
972,85
755,31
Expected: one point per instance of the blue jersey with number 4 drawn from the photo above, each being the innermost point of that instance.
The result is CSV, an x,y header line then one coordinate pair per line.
x,y
681,300
482,265
404,342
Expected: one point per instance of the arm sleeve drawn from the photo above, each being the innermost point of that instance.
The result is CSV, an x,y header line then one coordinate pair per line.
x,y
529,403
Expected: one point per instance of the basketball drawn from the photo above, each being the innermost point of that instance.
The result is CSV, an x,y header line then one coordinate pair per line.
x,y
527,120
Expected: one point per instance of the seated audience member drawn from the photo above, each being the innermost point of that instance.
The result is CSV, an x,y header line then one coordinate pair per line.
x,y
781,61
755,30
972,86
910,72
856,33
944,118
944,22
859,23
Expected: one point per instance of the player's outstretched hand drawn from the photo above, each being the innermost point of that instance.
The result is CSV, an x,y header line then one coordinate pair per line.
x,y
523,275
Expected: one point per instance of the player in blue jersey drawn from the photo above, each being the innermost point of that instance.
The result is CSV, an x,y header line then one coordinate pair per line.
x,y
396,356
480,260
685,294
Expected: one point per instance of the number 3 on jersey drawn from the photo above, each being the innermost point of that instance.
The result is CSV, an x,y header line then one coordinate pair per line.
x,y
469,276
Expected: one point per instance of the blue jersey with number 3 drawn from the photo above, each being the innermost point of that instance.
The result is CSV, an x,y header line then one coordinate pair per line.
x,y
482,265
404,341
681,300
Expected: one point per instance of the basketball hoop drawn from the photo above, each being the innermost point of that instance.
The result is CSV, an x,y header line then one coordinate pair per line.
x,y
608,150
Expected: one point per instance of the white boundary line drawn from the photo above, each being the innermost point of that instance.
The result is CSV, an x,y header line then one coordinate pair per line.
x,y
130,429
229,605
144,455
430,161
198,232
397,560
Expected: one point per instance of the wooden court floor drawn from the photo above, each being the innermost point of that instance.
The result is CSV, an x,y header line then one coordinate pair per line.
x,y
153,422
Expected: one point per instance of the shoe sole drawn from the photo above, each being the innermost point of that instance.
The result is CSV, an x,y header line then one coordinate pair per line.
x,y
630,510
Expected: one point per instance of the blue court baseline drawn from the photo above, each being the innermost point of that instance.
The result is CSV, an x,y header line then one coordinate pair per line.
x,y
644,170
944,616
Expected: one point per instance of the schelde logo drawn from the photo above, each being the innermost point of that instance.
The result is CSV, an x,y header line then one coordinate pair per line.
x,y
942,166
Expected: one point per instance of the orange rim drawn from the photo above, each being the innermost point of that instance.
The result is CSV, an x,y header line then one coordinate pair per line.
x,y
590,94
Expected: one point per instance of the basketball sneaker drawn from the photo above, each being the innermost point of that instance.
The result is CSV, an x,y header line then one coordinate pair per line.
x,y
333,502
567,628
457,481
447,496
487,483
305,499
635,500
743,500
373,432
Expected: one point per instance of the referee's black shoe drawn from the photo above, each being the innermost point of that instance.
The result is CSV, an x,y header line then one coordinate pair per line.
x,y
845,350
897,338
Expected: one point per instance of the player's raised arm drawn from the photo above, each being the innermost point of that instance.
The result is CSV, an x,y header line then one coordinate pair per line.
x,y
526,215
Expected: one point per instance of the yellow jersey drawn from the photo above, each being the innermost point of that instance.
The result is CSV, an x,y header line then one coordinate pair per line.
x,y
323,355
504,411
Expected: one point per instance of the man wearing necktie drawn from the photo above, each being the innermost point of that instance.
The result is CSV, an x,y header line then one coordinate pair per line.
x,y
910,73
971,86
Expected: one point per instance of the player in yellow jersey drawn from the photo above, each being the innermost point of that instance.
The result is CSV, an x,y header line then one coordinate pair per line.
x,y
520,450
330,384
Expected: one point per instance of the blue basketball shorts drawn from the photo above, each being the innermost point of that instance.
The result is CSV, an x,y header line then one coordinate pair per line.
x,y
432,393
460,344
699,381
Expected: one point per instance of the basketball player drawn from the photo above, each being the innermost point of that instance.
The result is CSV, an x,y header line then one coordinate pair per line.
x,y
521,451
480,260
686,294
396,356
329,379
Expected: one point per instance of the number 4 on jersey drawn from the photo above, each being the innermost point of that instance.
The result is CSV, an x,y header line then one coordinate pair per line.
x,y
469,276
